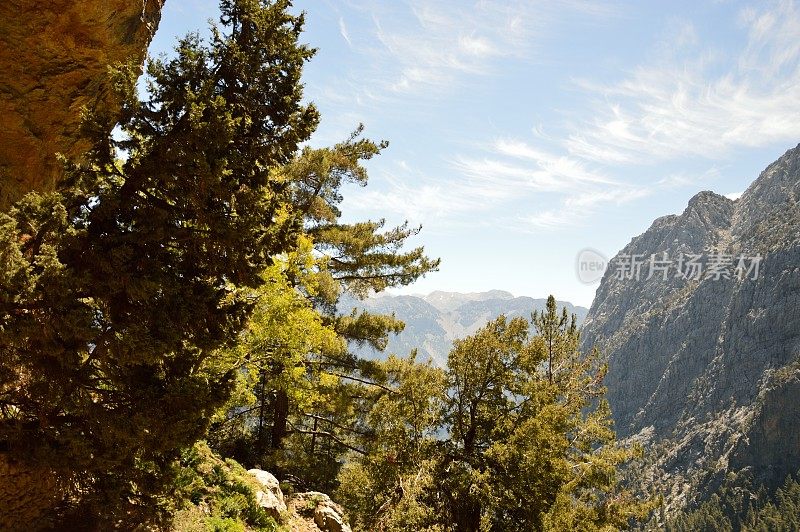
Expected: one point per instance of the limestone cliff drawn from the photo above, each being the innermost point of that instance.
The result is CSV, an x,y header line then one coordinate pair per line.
x,y
705,371
54,57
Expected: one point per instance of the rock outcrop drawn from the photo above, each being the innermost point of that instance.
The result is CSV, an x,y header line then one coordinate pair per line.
x,y
54,59
706,371
301,512
270,496
24,493
314,512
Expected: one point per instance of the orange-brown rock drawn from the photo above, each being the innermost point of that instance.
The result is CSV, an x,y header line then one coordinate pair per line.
x,y
54,58
26,496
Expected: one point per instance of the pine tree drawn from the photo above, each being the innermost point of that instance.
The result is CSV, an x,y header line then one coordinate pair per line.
x,y
305,434
388,487
525,441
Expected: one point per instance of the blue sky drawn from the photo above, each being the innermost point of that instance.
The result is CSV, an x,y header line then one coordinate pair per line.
x,y
522,132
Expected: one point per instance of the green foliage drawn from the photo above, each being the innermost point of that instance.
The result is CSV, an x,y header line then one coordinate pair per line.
x,y
187,274
118,290
738,506
272,357
360,257
386,488
305,401
222,495
529,443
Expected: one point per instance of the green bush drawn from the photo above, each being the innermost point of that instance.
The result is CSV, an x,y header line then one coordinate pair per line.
x,y
221,495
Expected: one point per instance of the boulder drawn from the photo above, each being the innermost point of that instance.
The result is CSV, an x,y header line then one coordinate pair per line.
x,y
270,497
328,516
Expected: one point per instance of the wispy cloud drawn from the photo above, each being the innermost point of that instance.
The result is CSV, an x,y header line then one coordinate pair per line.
x,y
427,204
510,172
697,101
685,179
425,44
568,170
547,220
344,33
693,102
687,100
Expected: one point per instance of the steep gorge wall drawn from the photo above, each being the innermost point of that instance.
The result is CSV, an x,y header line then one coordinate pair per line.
x,y
707,372
54,57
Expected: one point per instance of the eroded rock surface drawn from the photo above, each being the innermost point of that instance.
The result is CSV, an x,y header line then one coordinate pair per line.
x,y
24,493
54,57
314,511
270,496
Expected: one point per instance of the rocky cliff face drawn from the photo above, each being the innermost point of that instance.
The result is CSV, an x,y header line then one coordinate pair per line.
x,y
54,57
706,370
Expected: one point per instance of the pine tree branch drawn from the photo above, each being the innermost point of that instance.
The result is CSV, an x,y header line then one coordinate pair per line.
x,y
364,381
335,424
328,435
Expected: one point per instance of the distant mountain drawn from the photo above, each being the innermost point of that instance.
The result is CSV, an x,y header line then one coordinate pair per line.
x,y
434,321
706,370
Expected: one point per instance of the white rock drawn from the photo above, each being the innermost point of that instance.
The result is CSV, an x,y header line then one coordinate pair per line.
x,y
270,498
328,515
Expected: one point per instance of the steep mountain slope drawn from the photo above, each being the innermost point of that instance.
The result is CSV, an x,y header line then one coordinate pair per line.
x,y
434,321
706,370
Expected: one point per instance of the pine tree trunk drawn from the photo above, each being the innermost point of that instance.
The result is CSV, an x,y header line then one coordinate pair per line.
x,y
314,438
262,414
467,517
279,419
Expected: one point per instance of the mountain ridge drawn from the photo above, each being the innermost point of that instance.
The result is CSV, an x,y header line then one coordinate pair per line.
x,y
707,371
435,320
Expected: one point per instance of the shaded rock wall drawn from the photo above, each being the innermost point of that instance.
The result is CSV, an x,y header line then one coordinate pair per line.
x,y
25,494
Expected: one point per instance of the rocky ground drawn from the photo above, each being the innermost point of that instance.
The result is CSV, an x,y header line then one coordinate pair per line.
x,y
300,512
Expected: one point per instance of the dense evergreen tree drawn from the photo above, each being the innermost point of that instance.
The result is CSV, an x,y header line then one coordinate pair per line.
x,y
122,291
739,505
529,443
392,485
